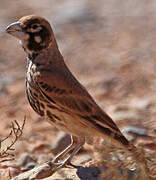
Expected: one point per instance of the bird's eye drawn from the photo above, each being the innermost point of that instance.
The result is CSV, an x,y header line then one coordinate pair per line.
x,y
34,26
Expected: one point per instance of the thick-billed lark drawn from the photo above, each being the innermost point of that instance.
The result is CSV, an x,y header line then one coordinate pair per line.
x,y
53,92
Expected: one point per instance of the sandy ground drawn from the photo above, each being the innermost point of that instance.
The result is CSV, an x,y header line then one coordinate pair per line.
x,y
108,45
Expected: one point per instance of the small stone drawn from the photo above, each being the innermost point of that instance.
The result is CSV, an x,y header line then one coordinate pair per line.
x,y
24,159
92,173
29,166
103,172
135,130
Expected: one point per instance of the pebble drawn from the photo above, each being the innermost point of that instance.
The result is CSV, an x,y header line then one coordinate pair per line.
x,y
29,165
24,159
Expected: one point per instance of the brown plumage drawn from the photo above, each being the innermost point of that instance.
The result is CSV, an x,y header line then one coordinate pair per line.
x,y
53,92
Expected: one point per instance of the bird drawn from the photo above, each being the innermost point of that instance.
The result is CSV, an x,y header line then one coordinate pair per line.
x,y
55,94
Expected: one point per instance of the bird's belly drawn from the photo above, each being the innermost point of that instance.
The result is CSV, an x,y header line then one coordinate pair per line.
x,y
69,123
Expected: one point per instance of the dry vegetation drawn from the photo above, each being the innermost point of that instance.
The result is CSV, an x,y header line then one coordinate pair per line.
x,y
15,134
110,47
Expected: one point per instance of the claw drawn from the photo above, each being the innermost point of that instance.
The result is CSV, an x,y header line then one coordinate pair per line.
x,y
56,166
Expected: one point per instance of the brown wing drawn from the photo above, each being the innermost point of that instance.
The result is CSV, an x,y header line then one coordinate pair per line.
x,y
61,88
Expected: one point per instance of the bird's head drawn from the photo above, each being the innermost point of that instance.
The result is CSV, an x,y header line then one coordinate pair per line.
x,y
34,32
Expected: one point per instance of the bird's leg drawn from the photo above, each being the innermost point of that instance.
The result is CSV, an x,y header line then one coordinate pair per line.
x,y
75,146
74,143
80,143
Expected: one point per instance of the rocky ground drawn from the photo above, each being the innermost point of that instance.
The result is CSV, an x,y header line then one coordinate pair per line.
x,y
110,47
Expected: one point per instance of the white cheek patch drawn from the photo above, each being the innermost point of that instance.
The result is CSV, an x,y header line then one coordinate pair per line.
x,y
38,39
20,41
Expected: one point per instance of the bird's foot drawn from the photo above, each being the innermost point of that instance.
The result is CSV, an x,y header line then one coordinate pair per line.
x,y
57,164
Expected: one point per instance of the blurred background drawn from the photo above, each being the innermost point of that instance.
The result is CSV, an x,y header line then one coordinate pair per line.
x,y
109,45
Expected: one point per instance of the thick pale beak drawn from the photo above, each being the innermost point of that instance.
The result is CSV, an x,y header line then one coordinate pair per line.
x,y
15,29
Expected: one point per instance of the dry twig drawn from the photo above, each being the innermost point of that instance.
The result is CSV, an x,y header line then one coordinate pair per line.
x,y
16,132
